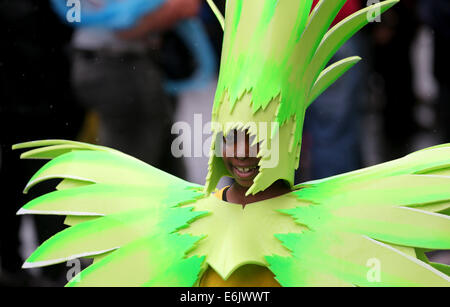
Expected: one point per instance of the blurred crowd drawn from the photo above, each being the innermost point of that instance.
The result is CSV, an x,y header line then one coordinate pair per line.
x,y
108,87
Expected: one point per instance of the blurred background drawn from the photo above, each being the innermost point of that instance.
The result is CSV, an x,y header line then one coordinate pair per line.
x,y
126,83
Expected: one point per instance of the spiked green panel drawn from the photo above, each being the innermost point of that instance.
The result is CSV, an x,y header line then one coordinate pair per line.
x,y
370,227
154,261
273,67
123,213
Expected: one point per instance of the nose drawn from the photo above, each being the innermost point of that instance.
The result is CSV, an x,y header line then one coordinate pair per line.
x,y
242,147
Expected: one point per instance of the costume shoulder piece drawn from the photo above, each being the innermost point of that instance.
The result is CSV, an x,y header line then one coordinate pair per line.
x,y
386,216
144,227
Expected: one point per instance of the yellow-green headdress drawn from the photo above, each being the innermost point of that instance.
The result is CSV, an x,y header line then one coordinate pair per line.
x,y
272,68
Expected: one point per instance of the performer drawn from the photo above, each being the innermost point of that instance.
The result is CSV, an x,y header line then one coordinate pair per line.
x,y
144,227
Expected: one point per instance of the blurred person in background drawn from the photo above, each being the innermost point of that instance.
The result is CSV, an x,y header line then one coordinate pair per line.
x,y
391,46
213,27
436,14
332,133
195,103
116,74
36,102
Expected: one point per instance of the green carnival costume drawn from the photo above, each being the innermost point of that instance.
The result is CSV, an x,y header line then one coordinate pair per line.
x,y
144,227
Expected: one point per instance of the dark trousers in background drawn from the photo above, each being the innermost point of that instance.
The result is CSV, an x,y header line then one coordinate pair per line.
x,y
135,113
331,143
442,63
21,125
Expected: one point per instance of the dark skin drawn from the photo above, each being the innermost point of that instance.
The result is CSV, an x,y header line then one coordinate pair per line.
x,y
241,161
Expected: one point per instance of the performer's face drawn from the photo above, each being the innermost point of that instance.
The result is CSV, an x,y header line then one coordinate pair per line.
x,y
240,158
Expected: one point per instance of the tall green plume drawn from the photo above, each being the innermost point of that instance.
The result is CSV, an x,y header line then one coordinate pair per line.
x,y
273,66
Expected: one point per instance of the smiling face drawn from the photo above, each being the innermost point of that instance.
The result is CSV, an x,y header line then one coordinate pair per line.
x,y
240,158
277,152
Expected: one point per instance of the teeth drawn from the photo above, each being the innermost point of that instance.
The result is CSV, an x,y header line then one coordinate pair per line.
x,y
245,169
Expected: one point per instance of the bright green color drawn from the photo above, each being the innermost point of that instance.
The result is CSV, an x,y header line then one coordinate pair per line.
x,y
122,211
158,230
372,213
275,53
235,236
144,227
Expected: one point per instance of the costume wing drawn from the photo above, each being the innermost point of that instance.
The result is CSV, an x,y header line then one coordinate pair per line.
x,y
366,228
123,213
371,227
